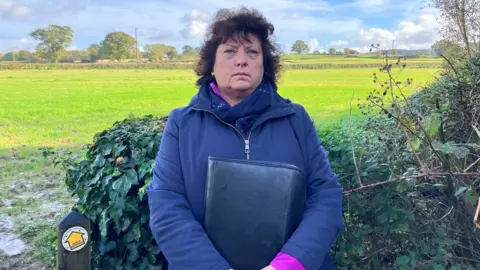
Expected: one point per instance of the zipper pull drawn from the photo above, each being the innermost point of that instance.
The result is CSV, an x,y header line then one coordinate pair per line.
x,y
247,148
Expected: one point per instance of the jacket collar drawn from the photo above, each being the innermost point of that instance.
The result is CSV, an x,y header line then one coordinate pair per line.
x,y
279,107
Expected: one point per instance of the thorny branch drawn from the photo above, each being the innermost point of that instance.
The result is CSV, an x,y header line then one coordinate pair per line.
x,y
413,176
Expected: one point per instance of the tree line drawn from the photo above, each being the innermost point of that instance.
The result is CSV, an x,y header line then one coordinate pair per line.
x,y
54,41
300,47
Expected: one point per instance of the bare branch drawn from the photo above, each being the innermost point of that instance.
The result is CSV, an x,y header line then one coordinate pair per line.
x,y
414,176
351,143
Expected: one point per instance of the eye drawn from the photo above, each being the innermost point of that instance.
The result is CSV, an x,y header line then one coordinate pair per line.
x,y
252,52
229,51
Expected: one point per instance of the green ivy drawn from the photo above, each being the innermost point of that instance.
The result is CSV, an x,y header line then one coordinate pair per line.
x,y
110,184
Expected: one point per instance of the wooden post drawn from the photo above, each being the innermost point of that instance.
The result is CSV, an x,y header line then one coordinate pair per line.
x,y
73,242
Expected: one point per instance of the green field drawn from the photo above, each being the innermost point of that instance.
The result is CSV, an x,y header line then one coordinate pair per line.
x,y
67,107
360,59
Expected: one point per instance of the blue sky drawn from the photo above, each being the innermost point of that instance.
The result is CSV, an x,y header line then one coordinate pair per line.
x,y
320,23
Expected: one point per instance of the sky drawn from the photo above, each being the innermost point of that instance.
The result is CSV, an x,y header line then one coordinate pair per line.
x,y
321,24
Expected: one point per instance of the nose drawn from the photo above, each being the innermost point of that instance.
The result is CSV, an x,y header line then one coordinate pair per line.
x,y
241,58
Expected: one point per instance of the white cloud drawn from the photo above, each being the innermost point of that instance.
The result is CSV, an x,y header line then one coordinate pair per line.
x,y
20,11
196,15
313,44
196,24
5,5
182,22
194,29
419,33
11,9
339,44
293,16
367,6
374,36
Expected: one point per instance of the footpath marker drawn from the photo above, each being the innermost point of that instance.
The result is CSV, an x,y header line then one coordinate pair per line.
x,y
73,242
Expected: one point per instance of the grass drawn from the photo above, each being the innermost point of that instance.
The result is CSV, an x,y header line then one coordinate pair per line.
x,y
67,107
358,59
35,194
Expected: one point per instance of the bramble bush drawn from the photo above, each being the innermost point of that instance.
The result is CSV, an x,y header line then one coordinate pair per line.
x,y
411,170
409,167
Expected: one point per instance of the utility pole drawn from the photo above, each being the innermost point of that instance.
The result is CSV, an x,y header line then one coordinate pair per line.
x,y
136,44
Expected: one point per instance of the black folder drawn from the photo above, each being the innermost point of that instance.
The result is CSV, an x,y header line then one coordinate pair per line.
x,y
252,209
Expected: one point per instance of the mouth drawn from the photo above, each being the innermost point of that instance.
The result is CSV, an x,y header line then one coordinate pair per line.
x,y
241,74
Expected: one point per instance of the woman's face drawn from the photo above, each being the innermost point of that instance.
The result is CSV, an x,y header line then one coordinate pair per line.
x,y
238,65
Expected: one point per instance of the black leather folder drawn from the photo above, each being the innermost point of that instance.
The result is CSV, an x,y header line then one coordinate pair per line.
x,y
252,209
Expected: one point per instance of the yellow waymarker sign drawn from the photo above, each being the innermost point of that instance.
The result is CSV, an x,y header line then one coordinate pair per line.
x,y
75,238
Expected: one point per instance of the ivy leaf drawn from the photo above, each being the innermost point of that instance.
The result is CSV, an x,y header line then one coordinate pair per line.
x,y
133,254
108,247
471,196
438,267
383,218
99,161
122,185
108,149
126,222
432,124
119,149
456,267
131,175
402,261
117,208
451,148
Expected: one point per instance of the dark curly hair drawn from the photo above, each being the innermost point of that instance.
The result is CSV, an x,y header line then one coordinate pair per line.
x,y
229,23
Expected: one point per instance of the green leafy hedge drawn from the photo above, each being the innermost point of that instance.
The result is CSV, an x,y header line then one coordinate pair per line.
x,y
110,182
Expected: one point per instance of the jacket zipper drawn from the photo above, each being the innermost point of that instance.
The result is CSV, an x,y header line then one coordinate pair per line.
x,y
246,140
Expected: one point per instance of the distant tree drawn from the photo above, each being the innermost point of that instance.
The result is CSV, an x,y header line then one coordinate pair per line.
x,y
300,47
67,57
316,52
24,55
188,50
93,52
80,55
54,41
9,56
450,50
197,49
460,22
1,56
117,46
157,52
444,47
395,51
346,51
171,52
353,51
332,51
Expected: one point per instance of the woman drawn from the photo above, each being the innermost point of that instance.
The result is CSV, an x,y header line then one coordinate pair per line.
x,y
237,113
